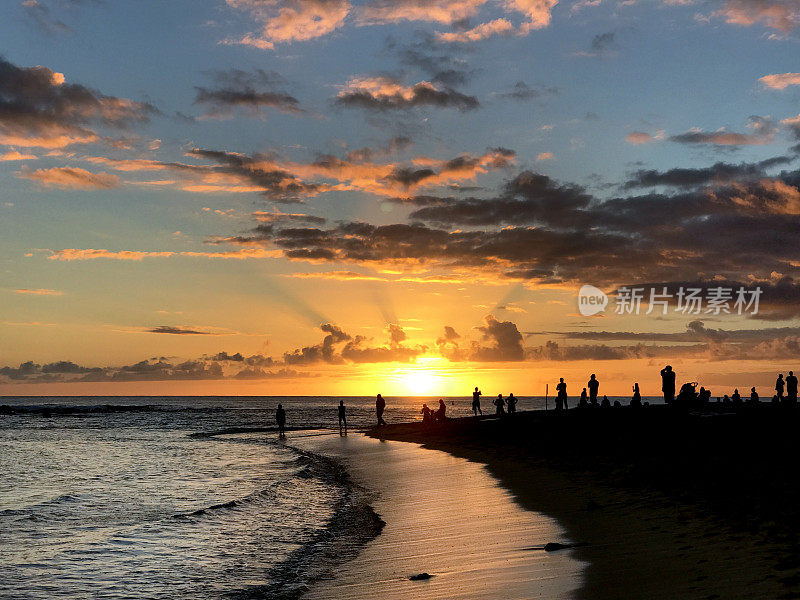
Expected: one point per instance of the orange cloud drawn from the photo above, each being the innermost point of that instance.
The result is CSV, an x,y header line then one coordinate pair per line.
x,y
71,178
39,292
783,15
780,81
479,32
638,137
439,11
284,21
545,156
90,253
14,155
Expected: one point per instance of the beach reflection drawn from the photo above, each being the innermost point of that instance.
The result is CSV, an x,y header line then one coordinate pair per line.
x,y
448,517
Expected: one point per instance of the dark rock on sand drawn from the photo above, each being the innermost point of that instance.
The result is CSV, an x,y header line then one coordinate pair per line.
x,y
420,577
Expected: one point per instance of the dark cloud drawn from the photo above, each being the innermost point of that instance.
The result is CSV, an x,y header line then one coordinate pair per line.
x,y
505,338
718,173
246,91
763,132
523,92
355,349
395,145
385,93
38,108
278,184
177,330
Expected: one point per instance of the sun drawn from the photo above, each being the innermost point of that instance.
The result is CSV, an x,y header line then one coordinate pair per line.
x,y
421,382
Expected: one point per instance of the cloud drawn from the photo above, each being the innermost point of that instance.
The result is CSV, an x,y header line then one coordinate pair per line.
x,y
639,137
39,109
69,254
544,156
73,178
284,21
783,15
780,81
718,174
39,292
479,32
13,155
601,45
247,92
763,133
523,92
385,93
505,338
168,329
447,12
539,231
354,349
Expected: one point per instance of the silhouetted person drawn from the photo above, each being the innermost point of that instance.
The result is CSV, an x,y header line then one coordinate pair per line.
x,y
780,384
605,403
593,385
704,396
280,418
726,399
754,395
441,413
380,406
636,401
499,403
791,387
427,416
476,402
736,398
561,395
668,384
511,403
583,402
342,416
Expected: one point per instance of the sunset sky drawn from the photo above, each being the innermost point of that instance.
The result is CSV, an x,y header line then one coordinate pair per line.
x,y
345,197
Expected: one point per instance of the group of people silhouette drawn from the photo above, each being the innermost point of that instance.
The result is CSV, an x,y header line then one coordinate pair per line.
x,y
689,396
500,404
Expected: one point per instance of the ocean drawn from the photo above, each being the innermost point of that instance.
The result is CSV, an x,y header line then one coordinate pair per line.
x,y
180,497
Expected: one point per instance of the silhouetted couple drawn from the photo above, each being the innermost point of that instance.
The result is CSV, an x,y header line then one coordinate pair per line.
x,y
430,416
791,388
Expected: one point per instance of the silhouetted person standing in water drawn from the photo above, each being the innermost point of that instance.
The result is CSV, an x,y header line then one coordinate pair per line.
x,y
380,406
791,387
280,418
736,398
511,402
441,412
780,384
476,402
754,396
561,395
593,385
668,384
342,417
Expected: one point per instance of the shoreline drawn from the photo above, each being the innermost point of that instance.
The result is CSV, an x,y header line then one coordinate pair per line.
x,y
669,505
445,516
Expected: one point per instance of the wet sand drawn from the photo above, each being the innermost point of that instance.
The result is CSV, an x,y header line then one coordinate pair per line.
x,y
446,516
670,507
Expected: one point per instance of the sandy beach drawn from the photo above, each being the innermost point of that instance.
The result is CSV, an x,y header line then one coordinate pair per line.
x,y
669,506
446,516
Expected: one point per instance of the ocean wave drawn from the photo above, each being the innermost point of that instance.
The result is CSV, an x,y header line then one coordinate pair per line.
x,y
49,410
353,524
